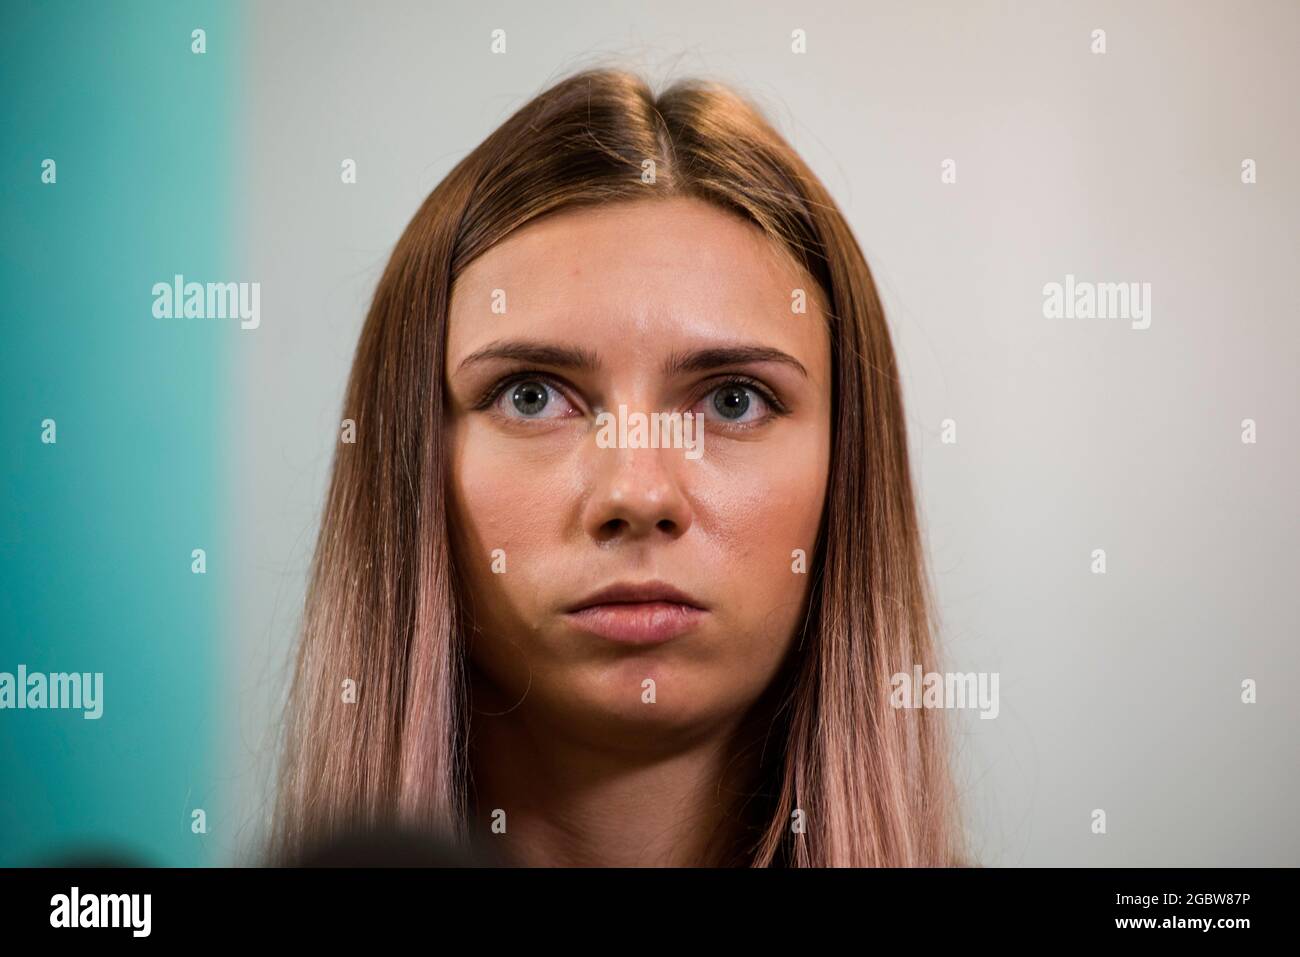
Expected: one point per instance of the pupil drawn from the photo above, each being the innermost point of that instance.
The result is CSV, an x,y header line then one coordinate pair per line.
x,y
731,402
530,397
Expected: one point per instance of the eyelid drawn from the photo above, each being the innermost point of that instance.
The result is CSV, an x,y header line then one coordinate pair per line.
x,y
493,393
765,392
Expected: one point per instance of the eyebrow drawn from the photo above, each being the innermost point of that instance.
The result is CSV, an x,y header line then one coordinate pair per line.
x,y
584,360
706,359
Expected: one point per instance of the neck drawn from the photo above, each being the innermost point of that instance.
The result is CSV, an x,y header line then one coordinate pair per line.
x,y
578,801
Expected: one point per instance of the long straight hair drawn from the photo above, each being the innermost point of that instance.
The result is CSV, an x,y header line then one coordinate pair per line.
x,y
872,782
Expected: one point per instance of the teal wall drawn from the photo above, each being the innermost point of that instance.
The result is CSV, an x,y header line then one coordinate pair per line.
x,y
96,531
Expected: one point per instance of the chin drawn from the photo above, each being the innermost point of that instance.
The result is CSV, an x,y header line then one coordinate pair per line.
x,y
613,699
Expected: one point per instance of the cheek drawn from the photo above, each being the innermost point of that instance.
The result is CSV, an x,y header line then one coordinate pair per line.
x,y
505,510
761,508
767,500
490,511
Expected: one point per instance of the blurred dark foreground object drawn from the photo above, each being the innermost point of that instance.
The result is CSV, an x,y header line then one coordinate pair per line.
x,y
362,847
394,847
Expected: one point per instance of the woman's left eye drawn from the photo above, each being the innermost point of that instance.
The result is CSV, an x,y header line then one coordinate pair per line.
x,y
735,402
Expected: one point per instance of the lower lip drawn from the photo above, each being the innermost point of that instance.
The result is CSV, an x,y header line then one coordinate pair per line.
x,y
643,623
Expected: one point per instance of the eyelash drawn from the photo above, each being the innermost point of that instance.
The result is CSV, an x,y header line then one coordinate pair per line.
x,y
777,408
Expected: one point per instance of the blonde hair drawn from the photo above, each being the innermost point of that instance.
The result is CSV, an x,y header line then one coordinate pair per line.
x,y
873,781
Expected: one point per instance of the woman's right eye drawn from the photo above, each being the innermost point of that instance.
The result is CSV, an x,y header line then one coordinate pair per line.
x,y
533,399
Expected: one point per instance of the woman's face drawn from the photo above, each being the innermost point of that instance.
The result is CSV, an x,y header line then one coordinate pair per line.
x,y
663,306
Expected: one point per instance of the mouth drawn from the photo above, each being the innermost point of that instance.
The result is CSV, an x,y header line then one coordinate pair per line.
x,y
637,614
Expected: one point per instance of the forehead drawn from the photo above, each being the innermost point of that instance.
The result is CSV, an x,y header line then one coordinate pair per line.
x,y
632,273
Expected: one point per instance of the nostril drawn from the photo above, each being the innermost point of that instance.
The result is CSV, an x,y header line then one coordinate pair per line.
x,y
613,528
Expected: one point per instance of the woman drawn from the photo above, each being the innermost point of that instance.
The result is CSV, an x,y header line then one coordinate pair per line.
x,y
537,629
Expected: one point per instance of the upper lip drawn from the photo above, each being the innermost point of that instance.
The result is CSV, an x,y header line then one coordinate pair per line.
x,y
630,593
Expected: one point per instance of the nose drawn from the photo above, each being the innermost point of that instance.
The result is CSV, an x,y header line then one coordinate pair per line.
x,y
638,495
